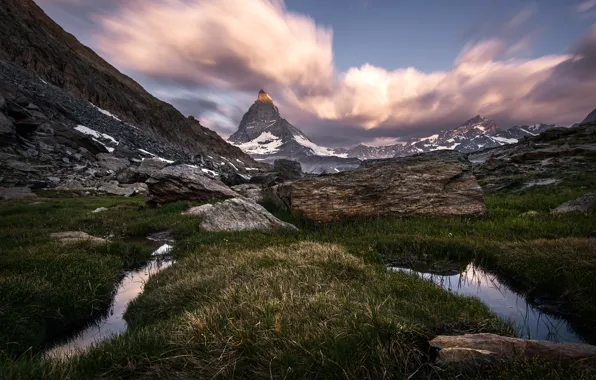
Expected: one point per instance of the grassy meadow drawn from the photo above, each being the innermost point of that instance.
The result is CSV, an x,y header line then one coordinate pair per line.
x,y
317,304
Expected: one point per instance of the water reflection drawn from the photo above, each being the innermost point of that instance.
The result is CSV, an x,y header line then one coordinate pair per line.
x,y
530,322
113,324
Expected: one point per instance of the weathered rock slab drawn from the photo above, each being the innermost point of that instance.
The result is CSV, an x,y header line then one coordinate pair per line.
x,y
236,214
185,183
583,204
250,191
7,193
112,163
76,236
475,348
437,183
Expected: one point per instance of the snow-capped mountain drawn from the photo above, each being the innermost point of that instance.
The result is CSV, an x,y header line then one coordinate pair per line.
x,y
475,134
266,136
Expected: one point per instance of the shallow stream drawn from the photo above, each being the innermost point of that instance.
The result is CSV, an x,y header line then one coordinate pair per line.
x,y
529,321
113,323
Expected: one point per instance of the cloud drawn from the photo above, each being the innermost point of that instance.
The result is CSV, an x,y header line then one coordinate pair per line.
x,y
586,6
243,45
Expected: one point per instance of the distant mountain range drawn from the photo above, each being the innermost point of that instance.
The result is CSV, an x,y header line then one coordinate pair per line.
x,y
475,134
266,136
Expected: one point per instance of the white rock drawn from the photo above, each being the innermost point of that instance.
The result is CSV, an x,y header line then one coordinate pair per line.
x,y
236,214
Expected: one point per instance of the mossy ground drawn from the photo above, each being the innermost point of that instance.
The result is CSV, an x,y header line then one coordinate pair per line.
x,y
314,304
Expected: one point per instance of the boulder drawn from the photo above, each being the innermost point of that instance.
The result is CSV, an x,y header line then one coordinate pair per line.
x,y
288,169
185,183
471,349
114,188
112,163
234,178
21,166
583,204
7,131
250,191
236,214
7,193
436,183
76,236
151,166
266,179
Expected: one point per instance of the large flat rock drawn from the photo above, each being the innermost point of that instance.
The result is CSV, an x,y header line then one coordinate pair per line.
x,y
476,348
185,183
437,183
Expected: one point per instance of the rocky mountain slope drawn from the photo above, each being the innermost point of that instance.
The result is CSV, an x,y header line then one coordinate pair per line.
x,y
590,118
29,39
555,156
475,134
267,136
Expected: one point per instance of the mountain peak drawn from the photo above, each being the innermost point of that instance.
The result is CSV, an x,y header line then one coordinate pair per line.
x,y
264,97
475,120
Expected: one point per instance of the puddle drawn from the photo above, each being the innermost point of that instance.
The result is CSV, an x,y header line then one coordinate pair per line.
x,y
113,323
530,322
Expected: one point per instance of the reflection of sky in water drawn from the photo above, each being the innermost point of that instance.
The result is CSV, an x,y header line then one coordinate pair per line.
x,y
130,287
529,321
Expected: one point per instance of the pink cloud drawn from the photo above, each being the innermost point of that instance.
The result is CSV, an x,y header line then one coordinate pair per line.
x,y
243,45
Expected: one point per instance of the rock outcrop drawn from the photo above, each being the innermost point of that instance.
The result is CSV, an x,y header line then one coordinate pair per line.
x,y
555,156
583,204
250,191
185,183
437,183
288,169
473,349
237,214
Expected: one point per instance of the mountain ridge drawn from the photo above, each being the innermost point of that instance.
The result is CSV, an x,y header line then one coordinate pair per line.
x,y
33,41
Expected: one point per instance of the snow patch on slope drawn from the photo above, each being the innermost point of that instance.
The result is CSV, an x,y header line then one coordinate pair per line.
x,y
95,135
266,143
316,149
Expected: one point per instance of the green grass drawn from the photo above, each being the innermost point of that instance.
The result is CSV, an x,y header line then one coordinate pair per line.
x,y
314,304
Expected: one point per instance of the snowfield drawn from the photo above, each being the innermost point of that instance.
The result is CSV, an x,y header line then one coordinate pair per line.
x,y
266,143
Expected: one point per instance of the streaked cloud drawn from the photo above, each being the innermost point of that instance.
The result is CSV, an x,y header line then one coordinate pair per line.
x,y
240,46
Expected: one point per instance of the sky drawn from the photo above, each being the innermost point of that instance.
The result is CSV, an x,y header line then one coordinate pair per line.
x,y
351,71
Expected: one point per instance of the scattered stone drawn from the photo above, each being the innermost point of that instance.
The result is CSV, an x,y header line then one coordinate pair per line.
x,y
288,169
529,214
20,166
7,131
7,193
54,180
185,183
114,188
236,214
250,191
98,210
71,185
583,204
471,349
76,236
437,183
112,163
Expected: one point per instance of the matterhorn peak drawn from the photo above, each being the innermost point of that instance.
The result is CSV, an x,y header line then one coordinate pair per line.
x,y
264,97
